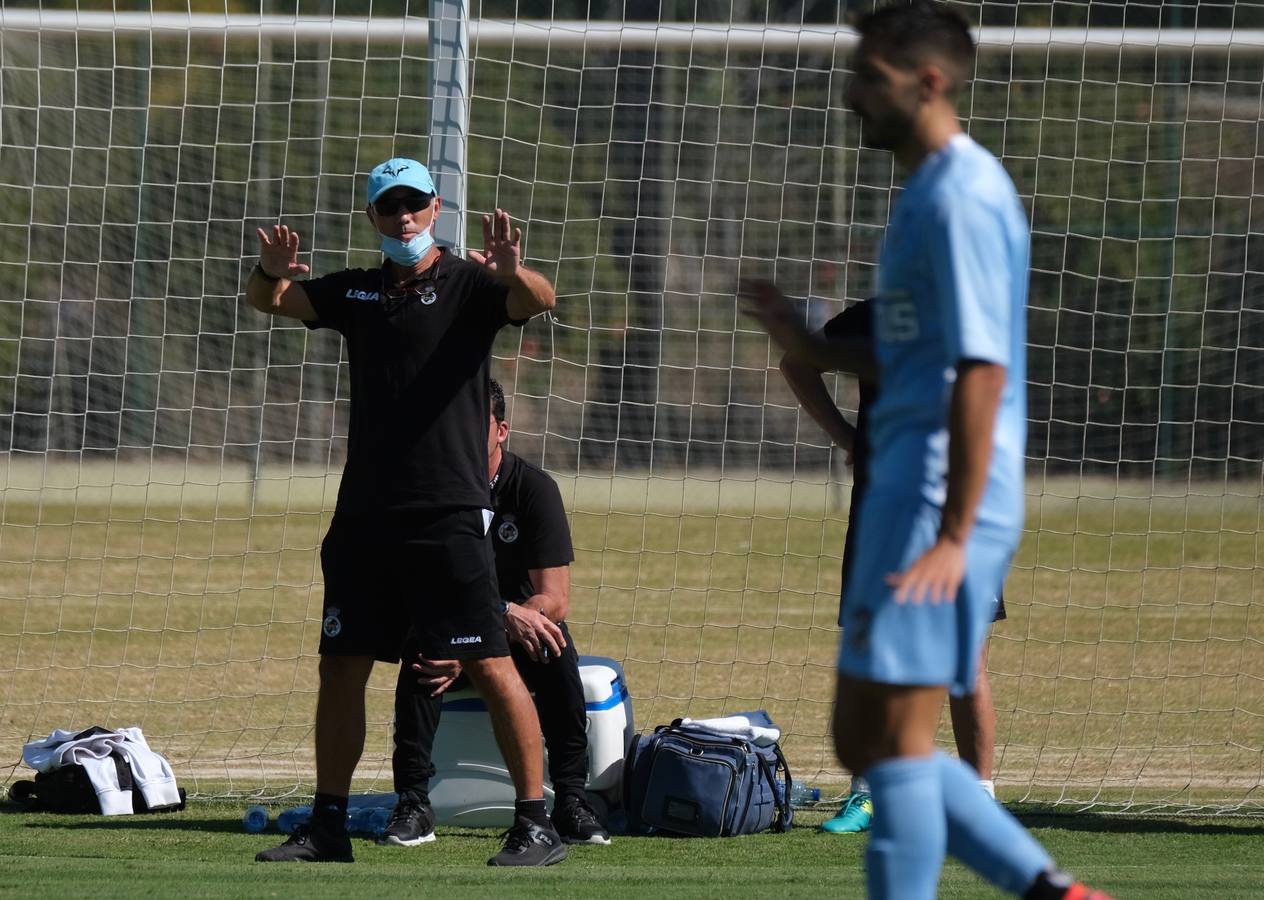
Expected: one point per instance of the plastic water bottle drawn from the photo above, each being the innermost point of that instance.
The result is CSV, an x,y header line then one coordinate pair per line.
x,y
369,813
366,814
255,820
370,820
374,801
800,794
294,817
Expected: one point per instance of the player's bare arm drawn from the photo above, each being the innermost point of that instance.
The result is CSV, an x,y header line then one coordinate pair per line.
x,y
976,396
271,288
765,303
533,624
530,293
808,386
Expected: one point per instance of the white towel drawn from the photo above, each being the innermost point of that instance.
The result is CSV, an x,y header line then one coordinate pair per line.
x,y
738,726
151,773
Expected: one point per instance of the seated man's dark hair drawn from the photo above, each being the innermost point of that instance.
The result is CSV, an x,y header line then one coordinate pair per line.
x,y
910,34
498,401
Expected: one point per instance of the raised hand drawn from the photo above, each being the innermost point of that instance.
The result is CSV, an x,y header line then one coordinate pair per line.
x,y
278,256
502,247
764,302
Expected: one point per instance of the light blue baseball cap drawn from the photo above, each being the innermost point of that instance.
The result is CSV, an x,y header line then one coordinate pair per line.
x,y
400,172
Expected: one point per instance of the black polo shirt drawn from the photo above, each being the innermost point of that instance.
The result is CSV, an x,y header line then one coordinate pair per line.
x,y
856,322
420,366
529,530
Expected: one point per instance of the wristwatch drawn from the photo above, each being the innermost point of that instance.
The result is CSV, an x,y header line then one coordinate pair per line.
x,y
504,607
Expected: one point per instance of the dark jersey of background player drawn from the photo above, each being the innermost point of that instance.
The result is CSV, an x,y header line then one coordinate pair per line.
x,y
856,323
529,531
419,364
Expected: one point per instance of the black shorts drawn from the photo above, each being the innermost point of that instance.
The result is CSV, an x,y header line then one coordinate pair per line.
x,y
432,572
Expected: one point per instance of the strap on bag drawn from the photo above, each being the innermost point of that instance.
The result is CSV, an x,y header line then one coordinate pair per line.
x,y
785,814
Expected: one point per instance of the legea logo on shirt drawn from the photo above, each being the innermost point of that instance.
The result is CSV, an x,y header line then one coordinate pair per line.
x,y
353,294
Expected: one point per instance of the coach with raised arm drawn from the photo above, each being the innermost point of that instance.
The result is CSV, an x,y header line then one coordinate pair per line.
x,y
407,548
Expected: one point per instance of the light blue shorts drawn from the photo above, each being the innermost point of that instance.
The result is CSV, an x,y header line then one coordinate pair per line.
x,y
917,643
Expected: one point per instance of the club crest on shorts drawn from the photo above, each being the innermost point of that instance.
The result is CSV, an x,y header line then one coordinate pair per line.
x,y
508,531
332,626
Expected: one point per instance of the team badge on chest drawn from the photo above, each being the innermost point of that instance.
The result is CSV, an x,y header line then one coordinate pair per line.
x,y
332,626
508,530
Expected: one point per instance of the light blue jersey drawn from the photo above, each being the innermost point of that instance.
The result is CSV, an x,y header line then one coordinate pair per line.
x,y
952,286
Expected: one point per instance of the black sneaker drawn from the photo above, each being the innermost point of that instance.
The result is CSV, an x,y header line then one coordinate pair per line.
x,y
527,844
576,822
311,843
411,824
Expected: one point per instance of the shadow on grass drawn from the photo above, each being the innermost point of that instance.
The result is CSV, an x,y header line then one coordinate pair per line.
x,y
1128,824
183,822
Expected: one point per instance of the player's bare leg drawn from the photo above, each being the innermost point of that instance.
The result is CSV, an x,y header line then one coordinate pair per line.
x,y
339,743
340,721
514,721
532,841
974,723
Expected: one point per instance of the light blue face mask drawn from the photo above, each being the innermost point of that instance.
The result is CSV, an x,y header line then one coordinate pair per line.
x,y
409,253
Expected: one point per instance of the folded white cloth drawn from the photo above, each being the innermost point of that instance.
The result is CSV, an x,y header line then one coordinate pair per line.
x,y
738,726
151,773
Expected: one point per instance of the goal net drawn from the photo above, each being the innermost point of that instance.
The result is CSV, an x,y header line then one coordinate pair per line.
x,y
170,457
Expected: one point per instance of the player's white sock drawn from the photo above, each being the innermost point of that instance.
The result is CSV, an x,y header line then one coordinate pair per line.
x,y
988,785
859,785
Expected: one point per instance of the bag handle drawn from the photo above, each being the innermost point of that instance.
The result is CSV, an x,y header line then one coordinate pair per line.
x,y
785,813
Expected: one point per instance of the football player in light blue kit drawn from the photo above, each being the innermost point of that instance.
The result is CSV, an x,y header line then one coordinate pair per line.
x,y
943,512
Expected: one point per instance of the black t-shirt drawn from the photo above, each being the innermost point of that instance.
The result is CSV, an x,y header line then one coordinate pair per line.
x,y
529,530
856,322
420,366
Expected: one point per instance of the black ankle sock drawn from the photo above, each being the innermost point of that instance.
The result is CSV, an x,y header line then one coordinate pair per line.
x,y
535,810
330,811
1051,884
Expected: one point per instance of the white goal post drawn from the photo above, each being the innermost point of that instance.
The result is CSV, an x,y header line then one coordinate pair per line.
x,y
604,34
169,460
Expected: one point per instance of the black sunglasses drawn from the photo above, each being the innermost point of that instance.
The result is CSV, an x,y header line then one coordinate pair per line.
x,y
414,203
418,288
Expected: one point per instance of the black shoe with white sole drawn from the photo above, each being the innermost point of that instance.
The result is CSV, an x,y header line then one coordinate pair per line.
x,y
527,844
311,843
576,822
411,824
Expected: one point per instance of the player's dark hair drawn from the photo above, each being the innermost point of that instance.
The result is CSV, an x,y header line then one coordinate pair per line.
x,y
906,34
498,401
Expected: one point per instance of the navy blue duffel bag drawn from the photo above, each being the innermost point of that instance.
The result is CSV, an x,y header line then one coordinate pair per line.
x,y
687,780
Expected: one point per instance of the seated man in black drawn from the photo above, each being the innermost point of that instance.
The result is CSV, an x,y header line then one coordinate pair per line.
x,y
532,542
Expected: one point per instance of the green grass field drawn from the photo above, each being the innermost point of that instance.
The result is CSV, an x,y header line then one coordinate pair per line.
x,y
1131,668
202,852
1130,675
